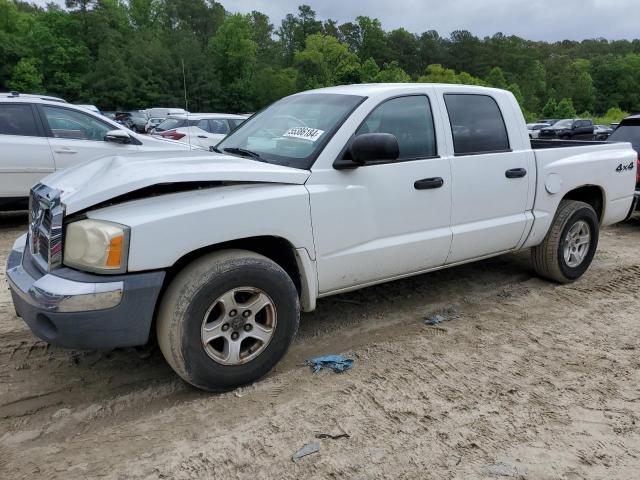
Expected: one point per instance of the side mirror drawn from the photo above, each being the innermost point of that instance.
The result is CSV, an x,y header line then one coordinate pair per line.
x,y
117,136
370,147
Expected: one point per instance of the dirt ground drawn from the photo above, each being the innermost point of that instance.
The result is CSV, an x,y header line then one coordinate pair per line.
x,y
532,380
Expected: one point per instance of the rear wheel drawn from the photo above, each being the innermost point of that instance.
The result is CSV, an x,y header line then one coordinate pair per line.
x,y
570,244
227,319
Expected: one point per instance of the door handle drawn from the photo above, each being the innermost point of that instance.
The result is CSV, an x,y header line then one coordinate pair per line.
x,y
427,183
515,173
65,150
202,136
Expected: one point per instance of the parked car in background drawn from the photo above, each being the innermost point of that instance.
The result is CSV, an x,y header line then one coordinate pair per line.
x,y
39,135
601,132
134,120
534,129
201,129
550,121
569,129
629,131
152,123
91,108
322,192
110,115
162,112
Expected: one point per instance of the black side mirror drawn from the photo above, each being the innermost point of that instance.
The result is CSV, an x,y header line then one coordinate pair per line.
x,y
370,147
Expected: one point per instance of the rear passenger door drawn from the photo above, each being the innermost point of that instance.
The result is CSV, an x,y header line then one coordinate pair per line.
x,y
490,179
25,155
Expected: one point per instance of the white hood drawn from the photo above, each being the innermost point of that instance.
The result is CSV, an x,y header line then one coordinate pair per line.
x,y
97,181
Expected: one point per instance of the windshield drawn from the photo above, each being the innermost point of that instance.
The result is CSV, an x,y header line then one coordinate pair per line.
x,y
627,132
563,124
170,124
292,131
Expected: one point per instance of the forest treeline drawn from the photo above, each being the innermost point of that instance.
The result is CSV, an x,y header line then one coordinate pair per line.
x,y
120,54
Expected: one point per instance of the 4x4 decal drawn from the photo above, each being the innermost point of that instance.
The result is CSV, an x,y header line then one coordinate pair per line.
x,y
624,168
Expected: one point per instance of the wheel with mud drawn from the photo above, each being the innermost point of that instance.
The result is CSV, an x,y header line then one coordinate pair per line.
x,y
227,318
570,244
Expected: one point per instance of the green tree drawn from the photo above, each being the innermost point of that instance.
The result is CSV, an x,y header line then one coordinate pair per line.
x,y
26,77
325,62
438,74
565,109
496,79
392,73
234,60
550,108
369,71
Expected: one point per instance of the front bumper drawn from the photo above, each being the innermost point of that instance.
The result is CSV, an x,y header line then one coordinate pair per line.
x,y
74,309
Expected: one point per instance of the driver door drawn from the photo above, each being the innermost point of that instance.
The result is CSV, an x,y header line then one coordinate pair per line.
x,y
77,136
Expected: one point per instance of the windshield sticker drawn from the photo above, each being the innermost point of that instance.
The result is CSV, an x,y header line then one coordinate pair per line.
x,y
304,133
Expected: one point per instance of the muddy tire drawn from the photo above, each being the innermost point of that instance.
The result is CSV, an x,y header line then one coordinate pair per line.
x,y
227,318
568,249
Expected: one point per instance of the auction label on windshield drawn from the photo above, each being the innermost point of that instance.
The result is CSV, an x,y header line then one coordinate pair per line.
x,y
305,133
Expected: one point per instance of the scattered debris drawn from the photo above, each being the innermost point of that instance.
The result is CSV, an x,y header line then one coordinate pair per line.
x,y
437,318
337,363
502,470
333,436
308,449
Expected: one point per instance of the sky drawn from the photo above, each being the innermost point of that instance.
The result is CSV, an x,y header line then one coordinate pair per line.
x,y
548,20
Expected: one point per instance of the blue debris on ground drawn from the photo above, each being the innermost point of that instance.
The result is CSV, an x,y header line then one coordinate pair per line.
x,y
337,363
442,316
308,449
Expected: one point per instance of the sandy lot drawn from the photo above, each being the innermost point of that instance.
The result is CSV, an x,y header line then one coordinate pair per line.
x,y
532,380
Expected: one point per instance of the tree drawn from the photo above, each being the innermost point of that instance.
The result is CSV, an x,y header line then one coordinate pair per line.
x,y
325,62
438,74
234,59
550,108
26,77
565,109
392,73
403,48
496,78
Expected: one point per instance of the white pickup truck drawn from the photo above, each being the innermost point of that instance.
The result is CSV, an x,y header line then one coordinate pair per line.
x,y
323,192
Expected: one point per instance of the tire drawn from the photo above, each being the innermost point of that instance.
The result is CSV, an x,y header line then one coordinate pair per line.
x,y
196,294
549,257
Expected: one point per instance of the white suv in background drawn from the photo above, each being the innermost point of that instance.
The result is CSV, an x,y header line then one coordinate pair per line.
x,y
42,134
203,130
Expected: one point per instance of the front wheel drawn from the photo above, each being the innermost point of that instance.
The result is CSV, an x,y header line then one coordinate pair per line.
x,y
570,244
227,319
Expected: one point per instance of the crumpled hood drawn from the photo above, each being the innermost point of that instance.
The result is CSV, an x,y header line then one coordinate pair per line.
x,y
102,179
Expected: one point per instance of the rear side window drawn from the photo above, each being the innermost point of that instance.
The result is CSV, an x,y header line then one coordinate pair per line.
x,y
17,119
218,126
410,120
476,123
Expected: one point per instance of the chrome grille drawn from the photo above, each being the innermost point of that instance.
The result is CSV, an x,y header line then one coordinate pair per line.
x,y
45,226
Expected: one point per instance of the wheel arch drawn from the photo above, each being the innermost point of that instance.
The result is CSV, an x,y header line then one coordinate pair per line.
x,y
294,261
591,194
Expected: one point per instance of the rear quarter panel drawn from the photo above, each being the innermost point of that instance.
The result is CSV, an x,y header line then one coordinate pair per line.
x,y
561,170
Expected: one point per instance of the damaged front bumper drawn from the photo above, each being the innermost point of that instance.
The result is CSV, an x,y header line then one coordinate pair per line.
x,y
75,309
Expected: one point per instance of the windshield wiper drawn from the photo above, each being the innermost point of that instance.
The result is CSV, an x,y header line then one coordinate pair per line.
x,y
243,152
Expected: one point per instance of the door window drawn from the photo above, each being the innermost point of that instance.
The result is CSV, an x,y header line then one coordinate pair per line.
x,y
70,124
410,120
17,119
476,124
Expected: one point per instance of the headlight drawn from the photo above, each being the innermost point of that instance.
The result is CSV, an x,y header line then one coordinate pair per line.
x,y
97,246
